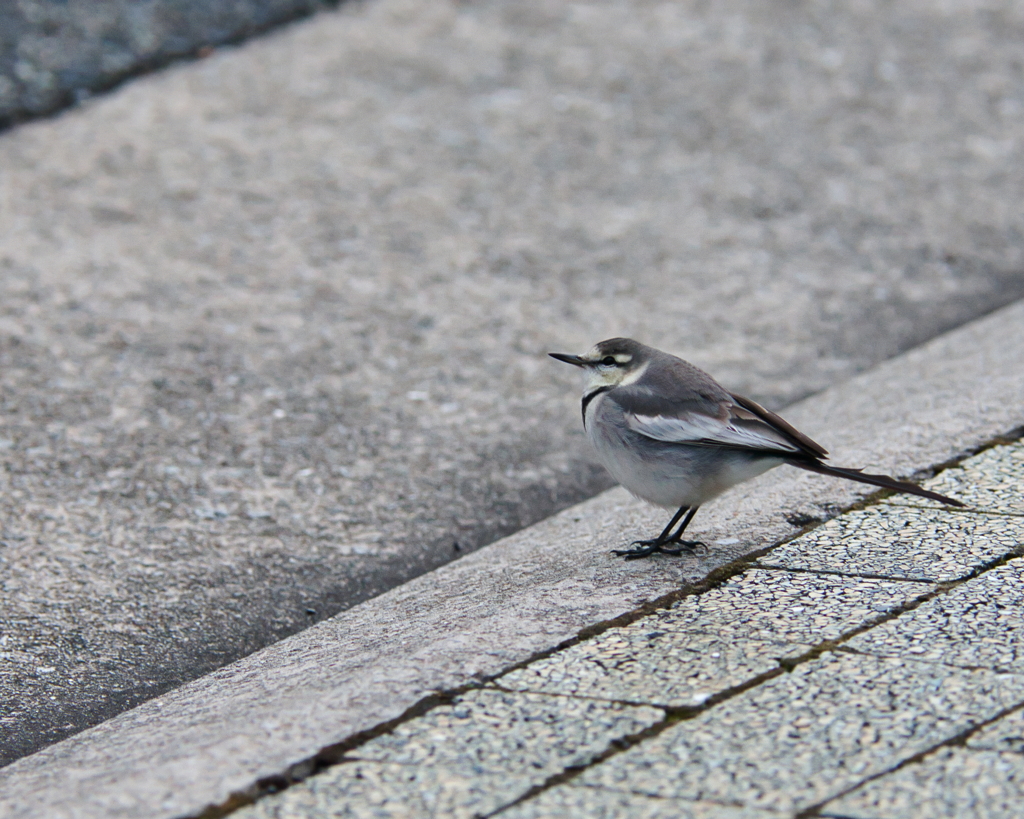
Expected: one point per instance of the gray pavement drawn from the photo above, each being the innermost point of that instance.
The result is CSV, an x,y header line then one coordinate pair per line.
x,y
272,323
757,699
516,609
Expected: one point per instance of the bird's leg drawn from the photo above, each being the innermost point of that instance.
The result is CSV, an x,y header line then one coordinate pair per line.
x,y
650,547
677,537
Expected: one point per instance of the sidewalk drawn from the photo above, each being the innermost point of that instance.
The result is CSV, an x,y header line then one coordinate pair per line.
x,y
272,336
273,322
770,676
872,668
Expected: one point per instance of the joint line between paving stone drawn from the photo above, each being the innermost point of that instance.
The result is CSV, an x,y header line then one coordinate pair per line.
x,y
673,800
494,686
837,573
673,716
1011,437
335,754
957,741
925,661
967,510
327,757
786,665
938,590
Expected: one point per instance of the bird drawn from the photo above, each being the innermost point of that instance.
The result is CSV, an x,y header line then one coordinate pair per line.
x,y
673,436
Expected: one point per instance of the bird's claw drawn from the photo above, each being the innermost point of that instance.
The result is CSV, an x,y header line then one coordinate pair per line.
x,y
651,547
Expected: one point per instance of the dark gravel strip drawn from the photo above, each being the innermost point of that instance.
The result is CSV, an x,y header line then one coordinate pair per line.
x,y
54,53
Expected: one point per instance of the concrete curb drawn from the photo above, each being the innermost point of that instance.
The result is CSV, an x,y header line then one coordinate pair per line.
x,y
503,604
272,322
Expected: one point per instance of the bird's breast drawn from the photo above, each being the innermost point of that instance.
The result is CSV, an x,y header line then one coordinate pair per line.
x,y
666,474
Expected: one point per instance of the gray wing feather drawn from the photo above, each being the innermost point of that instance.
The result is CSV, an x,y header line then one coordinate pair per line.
x,y
698,429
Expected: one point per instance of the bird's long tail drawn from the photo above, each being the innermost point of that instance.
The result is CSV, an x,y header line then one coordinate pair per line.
x,y
875,480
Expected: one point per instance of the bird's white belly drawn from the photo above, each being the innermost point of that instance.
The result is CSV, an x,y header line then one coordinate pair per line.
x,y
672,475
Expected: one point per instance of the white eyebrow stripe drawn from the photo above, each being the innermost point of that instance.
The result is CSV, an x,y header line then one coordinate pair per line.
x,y
635,376
697,428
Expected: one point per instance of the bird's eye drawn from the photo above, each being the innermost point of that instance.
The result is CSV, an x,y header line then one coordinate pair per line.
x,y
608,361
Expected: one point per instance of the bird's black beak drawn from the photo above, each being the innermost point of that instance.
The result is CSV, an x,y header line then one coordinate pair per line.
x,y
575,360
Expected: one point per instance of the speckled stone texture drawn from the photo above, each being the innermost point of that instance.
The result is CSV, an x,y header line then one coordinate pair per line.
x,y
1005,734
785,606
903,542
952,783
806,736
992,481
648,665
480,615
788,743
601,803
980,623
382,790
500,731
273,323
792,741
462,760
710,642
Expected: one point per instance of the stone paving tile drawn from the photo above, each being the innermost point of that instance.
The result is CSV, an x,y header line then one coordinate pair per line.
x,y
786,606
979,623
953,782
600,803
386,789
490,730
992,481
903,542
707,643
671,670
382,789
805,736
484,750
1005,734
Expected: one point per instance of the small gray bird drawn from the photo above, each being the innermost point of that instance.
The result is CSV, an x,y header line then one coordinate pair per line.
x,y
672,435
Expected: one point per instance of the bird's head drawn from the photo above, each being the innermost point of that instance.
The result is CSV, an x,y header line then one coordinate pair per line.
x,y
610,363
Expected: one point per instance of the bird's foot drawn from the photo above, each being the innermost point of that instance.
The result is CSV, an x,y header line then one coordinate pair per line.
x,y
646,548
689,547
